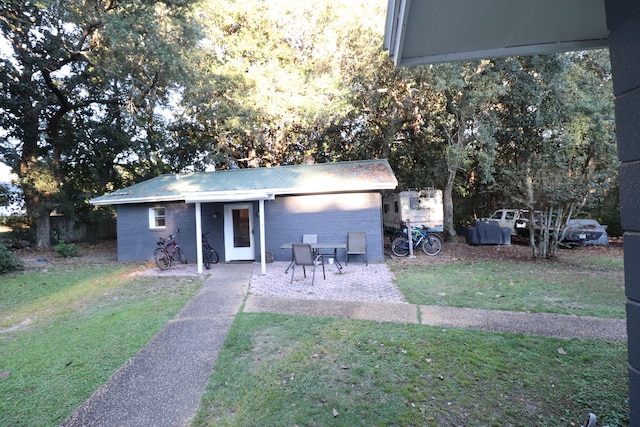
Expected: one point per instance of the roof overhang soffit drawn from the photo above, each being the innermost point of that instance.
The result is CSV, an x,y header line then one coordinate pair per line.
x,y
227,196
126,201
247,195
431,31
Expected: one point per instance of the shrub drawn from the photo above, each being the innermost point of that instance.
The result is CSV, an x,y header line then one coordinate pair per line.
x,y
21,229
66,250
8,261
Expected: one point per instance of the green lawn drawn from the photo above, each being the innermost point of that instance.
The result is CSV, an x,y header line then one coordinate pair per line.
x,y
280,370
578,288
63,333
287,370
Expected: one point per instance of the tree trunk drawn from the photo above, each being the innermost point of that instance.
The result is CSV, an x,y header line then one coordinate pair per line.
x,y
532,232
39,179
544,232
43,231
447,201
556,232
389,134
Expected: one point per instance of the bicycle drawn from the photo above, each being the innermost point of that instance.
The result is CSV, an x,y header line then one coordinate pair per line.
x,y
167,251
209,255
431,243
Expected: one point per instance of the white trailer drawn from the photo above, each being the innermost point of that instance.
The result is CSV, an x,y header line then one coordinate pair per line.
x,y
421,207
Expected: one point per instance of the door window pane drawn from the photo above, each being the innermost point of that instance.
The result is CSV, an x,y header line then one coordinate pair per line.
x,y
241,237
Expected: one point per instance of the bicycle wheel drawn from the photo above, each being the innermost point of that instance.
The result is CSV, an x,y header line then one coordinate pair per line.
x,y
432,245
214,256
396,235
400,247
162,258
180,255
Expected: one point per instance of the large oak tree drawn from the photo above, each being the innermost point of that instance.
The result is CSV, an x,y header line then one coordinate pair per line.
x,y
78,81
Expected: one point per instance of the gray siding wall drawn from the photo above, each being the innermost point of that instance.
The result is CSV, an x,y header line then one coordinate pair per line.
x,y
136,241
623,20
213,223
330,216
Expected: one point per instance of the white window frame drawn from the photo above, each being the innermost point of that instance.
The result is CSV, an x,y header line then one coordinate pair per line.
x,y
153,218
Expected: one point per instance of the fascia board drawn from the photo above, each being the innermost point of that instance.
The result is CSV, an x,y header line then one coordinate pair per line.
x,y
232,196
503,52
337,189
399,25
227,196
132,200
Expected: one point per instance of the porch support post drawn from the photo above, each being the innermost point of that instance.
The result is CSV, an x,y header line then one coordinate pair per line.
x,y
263,261
198,236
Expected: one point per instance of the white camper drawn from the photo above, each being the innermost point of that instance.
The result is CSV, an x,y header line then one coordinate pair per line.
x,y
421,207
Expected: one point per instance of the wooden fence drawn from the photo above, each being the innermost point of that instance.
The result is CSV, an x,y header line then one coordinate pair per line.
x,y
68,230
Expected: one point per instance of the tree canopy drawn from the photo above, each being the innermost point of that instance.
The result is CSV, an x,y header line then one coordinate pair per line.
x,y
99,95
79,87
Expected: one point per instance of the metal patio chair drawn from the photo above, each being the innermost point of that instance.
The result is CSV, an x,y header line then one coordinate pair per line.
x,y
357,245
311,239
303,255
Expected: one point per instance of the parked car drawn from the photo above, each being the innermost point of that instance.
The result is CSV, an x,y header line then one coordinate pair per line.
x,y
579,232
516,220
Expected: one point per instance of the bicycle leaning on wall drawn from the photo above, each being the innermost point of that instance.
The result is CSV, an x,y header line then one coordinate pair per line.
x,y
431,243
168,251
209,255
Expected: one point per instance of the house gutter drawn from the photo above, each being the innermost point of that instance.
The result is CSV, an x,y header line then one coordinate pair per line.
x,y
99,201
191,197
240,195
226,196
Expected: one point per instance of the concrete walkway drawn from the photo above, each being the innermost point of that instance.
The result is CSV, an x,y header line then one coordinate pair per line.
x,y
163,384
369,293
548,325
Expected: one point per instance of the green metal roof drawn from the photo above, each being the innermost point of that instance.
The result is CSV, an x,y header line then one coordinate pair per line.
x,y
257,183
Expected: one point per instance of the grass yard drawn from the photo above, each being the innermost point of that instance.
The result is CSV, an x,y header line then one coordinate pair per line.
x,y
66,330
582,282
278,370
286,370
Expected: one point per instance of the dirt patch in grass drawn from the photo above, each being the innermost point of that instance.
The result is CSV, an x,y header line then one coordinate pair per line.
x,y
519,251
101,253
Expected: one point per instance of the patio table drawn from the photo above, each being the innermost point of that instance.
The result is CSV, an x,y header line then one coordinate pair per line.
x,y
316,247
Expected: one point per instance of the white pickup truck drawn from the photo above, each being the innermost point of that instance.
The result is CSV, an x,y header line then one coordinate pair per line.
x,y
513,219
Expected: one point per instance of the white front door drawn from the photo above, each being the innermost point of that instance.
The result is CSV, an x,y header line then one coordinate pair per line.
x,y
238,232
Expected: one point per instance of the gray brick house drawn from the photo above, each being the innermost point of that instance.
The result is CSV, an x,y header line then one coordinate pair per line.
x,y
249,213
